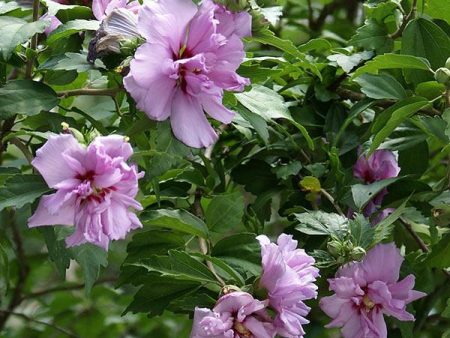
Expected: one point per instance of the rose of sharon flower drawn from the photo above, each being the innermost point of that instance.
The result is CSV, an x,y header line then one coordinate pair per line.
x,y
236,315
382,164
189,58
101,8
289,276
95,188
366,290
54,23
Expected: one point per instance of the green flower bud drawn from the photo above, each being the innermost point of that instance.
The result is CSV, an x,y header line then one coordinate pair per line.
x,y
334,248
442,75
357,253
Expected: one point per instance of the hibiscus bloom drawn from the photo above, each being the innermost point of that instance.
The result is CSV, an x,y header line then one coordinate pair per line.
x,y
288,276
367,290
95,188
101,8
189,58
236,315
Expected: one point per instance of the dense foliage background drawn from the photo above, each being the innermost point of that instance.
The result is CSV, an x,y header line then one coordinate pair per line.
x,y
329,79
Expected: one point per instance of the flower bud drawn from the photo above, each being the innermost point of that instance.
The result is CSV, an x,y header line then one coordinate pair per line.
x,y
357,253
334,248
442,75
447,63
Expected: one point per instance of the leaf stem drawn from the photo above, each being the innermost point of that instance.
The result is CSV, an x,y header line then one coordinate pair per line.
x,y
411,14
29,319
89,91
202,242
34,41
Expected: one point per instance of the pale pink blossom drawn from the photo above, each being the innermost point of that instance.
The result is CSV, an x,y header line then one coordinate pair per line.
x,y
95,188
366,291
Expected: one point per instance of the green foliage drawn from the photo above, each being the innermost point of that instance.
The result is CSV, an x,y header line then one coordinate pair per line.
x,y
330,81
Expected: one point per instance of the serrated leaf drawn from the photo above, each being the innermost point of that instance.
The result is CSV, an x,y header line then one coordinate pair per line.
x,y
321,223
385,227
440,254
68,61
224,270
22,189
362,231
179,220
372,36
225,211
25,97
15,31
178,265
91,258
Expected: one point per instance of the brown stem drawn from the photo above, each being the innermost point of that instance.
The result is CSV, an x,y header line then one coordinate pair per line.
x,y
411,14
332,201
419,240
34,41
66,288
23,148
328,9
23,271
355,96
29,319
6,128
89,91
202,242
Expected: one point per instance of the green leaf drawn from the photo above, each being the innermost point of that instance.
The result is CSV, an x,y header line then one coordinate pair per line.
x,y
348,62
440,254
315,44
372,36
268,104
267,37
22,189
225,212
157,293
256,121
393,61
438,9
68,61
363,193
91,258
178,265
361,231
224,270
395,116
25,97
384,228
63,11
179,220
382,86
154,242
241,251
424,38
72,27
57,250
15,31
321,223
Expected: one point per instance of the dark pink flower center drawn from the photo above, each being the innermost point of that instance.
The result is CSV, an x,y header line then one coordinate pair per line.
x,y
88,191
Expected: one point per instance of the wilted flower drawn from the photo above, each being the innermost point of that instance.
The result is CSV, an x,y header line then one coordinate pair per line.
x,y
366,290
117,29
289,276
101,8
190,56
236,315
95,188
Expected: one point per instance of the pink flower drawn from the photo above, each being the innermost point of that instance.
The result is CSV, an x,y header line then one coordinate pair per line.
x,y
236,315
95,188
101,8
381,165
289,276
366,290
189,58
54,23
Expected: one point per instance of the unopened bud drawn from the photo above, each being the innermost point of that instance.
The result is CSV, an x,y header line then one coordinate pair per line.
x,y
447,63
229,289
334,248
442,75
358,253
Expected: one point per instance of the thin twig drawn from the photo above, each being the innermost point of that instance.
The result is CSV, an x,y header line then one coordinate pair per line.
x,y
411,14
202,242
29,319
23,270
332,201
6,128
419,240
23,148
66,288
90,91
34,42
